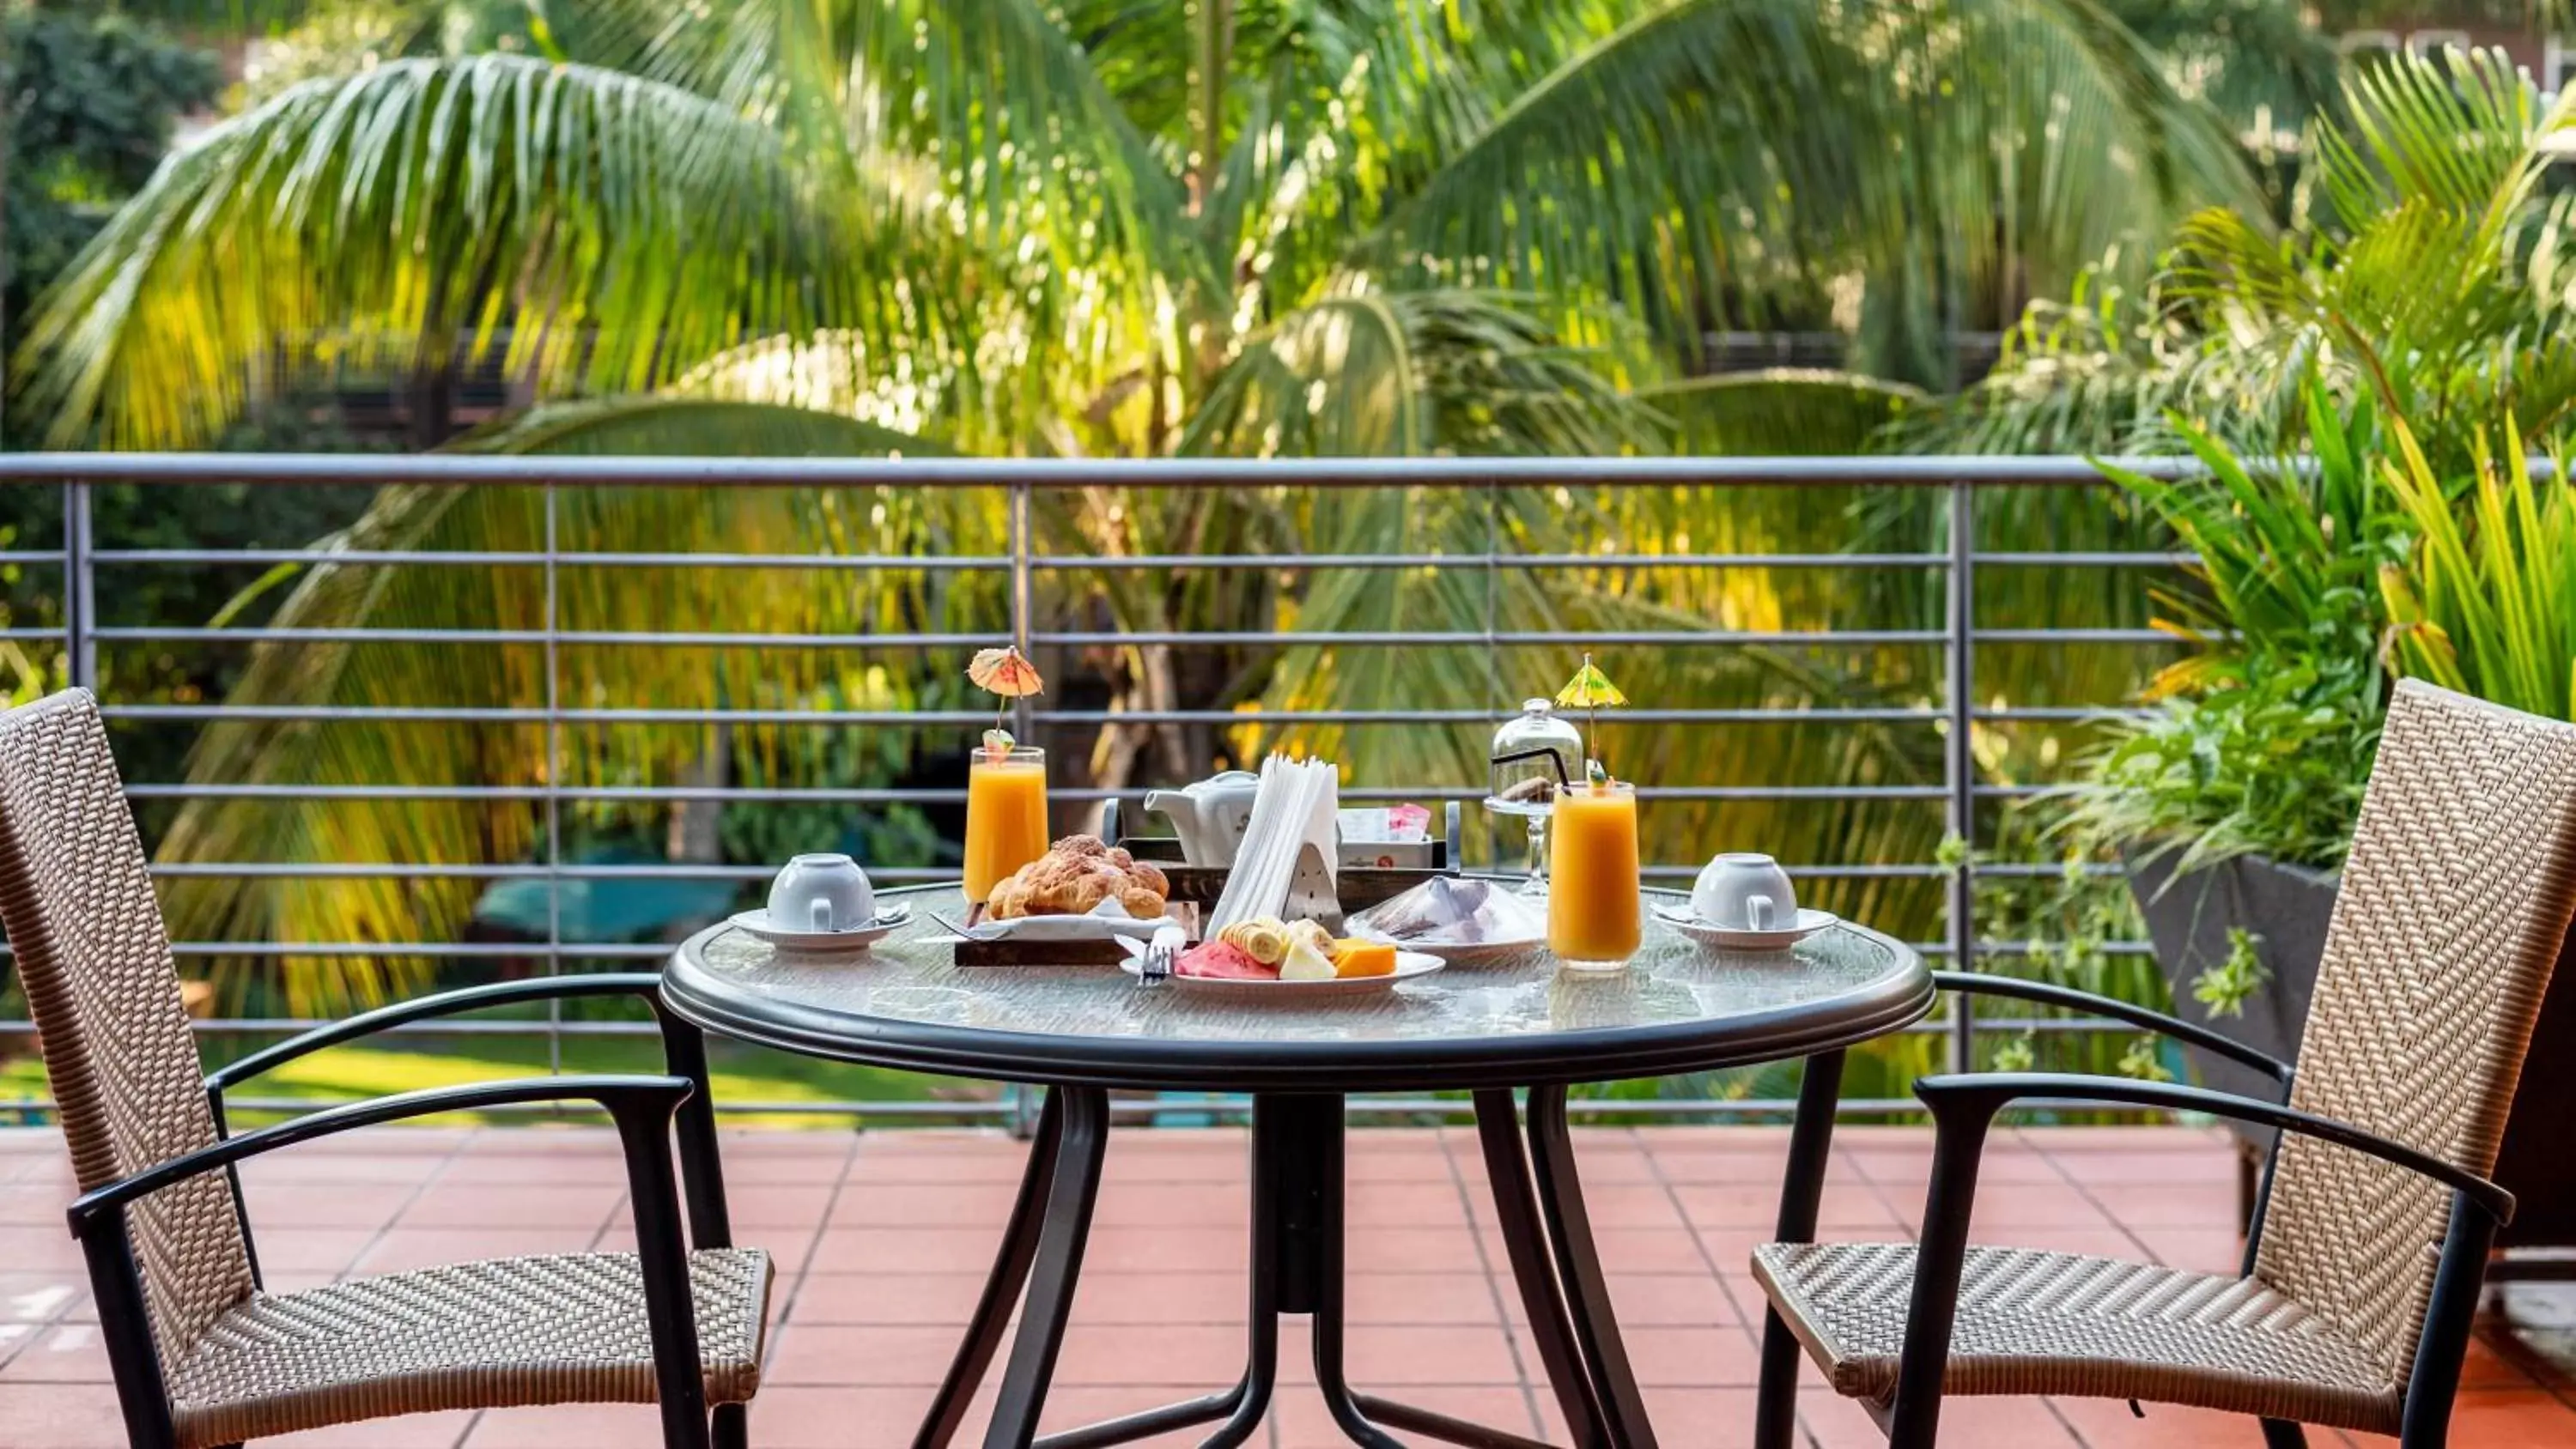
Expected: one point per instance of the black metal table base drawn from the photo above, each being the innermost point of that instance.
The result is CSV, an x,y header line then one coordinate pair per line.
x,y
1297,1249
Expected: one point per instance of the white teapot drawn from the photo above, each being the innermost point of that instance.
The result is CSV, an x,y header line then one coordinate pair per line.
x,y
1209,816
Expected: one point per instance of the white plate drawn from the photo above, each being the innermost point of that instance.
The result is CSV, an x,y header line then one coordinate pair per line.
x,y
889,917
1809,923
1474,953
1409,965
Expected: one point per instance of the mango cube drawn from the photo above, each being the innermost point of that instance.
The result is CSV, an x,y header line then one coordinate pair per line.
x,y
1355,957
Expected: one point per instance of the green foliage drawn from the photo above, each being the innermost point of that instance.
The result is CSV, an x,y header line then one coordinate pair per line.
x,y
2273,766
2425,268
2145,1061
2226,986
2486,599
87,102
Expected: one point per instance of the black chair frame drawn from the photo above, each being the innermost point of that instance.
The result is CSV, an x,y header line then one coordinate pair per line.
x,y
648,1112
1963,1107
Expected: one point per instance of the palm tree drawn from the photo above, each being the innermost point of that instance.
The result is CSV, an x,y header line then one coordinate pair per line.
x,y
989,226
2426,267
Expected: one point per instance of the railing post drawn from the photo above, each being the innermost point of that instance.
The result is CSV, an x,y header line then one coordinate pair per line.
x,y
1959,763
80,588
554,785
1023,607
1023,1098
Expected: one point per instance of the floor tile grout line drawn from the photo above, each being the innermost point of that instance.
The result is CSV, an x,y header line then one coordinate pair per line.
x,y
1493,1285
850,1155
1744,1321
2110,1213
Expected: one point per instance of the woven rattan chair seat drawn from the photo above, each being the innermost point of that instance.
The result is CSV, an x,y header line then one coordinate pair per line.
x,y
497,1334
2060,1323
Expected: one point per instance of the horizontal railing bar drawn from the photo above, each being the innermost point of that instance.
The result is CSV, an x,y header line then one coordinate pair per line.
x,y
2076,636
2085,558
2077,713
1421,638
534,715
973,718
466,469
1247,638
394,870
893,796
32,635
611,951
1474,716
521,558
391,870
660,639
1059,563
1111,563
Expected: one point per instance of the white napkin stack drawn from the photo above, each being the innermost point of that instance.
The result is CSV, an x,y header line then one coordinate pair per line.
x,y
1293,818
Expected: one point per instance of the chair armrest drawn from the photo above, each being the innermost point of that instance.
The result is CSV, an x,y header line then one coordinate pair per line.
x,y
1986,1093
1964,1107
2138,1016
446,1003
629,1099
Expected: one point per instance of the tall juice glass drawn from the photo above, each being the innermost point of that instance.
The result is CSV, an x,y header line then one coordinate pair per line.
x,y
1592,893
1006,815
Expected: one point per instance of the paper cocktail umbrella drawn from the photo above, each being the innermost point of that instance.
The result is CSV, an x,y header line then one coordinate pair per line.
x,y
1009,675
1591,691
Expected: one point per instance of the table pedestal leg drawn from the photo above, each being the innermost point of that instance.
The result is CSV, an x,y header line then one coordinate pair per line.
x,y
1073,1188
1298,1249
1578,1269
1001,1287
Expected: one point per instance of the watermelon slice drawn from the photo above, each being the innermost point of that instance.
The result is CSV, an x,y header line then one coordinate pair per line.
x,y
1224,960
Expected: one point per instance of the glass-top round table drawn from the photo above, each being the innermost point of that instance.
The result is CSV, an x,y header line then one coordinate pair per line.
x,y
1679,1007
1085,1031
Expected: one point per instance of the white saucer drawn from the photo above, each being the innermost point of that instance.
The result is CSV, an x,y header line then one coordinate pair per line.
x,y
1780,939
1409,965
888,917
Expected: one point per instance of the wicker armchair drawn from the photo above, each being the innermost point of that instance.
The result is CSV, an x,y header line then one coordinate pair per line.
x,y
2369,1245
202,1356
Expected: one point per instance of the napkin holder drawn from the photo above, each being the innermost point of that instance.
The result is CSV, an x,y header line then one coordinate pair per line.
x,y
1360,887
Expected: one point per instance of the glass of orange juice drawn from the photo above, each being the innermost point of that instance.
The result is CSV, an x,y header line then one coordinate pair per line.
x,y
1006,815
1592,892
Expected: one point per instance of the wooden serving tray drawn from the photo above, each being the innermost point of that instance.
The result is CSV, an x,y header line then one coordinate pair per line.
x,y
1357,887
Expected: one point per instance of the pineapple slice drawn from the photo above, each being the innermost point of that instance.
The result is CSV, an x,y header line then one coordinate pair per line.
x,y
1305,963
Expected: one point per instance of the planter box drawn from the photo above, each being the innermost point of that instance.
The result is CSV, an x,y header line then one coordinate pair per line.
x,y
2287,908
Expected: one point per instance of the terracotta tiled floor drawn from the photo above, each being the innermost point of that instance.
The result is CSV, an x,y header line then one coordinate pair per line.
x,y
881,1239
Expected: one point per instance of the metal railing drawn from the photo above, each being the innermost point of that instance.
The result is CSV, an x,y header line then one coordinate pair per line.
x,y
1953,554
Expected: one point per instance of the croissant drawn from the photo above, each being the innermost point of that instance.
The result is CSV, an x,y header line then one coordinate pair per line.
x,y
1075,875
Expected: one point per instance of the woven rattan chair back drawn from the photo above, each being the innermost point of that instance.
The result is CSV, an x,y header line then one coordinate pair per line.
x,y
2453,906
94,957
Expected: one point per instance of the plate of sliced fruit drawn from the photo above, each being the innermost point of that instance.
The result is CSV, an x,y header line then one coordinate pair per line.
x,y
1290,961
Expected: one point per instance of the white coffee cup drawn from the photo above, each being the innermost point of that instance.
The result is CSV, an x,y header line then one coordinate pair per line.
x,y
821,893
1744,891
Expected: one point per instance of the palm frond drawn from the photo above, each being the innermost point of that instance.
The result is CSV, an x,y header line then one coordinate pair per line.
x,y
690,427
595,228
376,745
1367,371
1652,170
